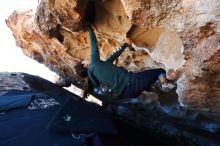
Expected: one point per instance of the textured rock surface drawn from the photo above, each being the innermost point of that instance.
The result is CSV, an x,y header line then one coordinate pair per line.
x,y
68,13
179,34
40,47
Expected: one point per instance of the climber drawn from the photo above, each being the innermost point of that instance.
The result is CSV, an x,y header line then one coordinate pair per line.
x,y
118,79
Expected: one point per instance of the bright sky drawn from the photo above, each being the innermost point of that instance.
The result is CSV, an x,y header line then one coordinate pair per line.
x,y
11,57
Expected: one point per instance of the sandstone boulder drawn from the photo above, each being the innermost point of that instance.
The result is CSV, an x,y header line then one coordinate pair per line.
x,y
179,34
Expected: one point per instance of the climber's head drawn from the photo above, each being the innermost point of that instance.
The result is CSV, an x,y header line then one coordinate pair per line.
x,y
81,70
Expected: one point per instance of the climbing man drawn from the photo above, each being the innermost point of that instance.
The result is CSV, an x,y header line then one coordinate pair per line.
x,y
119,80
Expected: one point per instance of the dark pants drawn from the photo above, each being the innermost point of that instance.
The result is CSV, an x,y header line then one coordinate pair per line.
x,y
141,81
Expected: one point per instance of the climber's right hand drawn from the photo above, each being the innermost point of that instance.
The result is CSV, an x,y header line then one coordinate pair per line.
x,y
88,26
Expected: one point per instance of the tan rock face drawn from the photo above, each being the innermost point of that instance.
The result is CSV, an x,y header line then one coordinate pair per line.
x,y
197,24
68,13
40,47
183,35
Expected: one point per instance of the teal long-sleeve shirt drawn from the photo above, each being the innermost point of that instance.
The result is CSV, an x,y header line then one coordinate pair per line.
x,y
105,72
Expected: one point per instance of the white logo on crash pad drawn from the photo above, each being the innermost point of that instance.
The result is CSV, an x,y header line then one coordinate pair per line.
x,y
43,103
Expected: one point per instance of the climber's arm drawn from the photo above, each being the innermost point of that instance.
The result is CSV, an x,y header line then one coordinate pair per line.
x,y
118,51
94,51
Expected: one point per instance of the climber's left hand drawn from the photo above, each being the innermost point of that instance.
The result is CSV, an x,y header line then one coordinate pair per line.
x,y
128,41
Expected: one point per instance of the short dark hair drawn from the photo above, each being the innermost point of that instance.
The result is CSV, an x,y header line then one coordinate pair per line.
x,y
81,70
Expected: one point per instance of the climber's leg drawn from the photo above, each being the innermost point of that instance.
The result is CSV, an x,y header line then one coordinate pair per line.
x,y
141,81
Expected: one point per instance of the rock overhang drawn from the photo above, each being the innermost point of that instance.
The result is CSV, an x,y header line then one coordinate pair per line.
x,y
179,34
